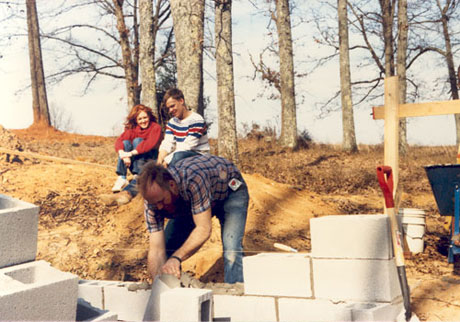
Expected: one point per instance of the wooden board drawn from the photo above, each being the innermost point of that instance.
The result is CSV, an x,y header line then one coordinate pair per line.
x,y
420,109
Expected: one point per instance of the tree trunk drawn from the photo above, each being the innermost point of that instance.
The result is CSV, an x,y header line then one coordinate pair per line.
x,y
188,21
132,87
288,137
227,142
135,56
387,24
388,13
349,138
403,29
450,62
147,55
37,75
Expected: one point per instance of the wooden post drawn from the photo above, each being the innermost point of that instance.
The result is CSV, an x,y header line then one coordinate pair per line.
x,y
391,129
391,112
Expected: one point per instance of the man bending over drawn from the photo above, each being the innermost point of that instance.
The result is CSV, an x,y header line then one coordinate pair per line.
x,y
189,193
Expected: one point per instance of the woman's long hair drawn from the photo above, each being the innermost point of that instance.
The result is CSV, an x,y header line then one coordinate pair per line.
x,y
131,119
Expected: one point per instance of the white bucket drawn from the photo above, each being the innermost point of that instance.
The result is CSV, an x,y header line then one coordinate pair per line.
x,y
413,223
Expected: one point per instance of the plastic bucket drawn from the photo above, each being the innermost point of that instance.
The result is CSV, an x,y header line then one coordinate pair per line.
x,y
413,224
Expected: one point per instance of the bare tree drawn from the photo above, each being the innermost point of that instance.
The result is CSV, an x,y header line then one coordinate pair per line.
x,y
441,18
150,22
130,57
280,78
188,24
387,8
349,137
113,48
401,61
147,53
227,138
386,19
449,5
288,137
37,75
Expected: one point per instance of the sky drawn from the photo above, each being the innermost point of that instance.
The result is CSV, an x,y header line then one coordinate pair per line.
x,y
103,109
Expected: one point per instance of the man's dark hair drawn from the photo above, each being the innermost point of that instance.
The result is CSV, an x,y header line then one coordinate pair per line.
x,y
174,93
153,172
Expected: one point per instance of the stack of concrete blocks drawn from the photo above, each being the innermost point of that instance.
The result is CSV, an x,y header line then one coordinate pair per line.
x,y
349,276
29,289
353,262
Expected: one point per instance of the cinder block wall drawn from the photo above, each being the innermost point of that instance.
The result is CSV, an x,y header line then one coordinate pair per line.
x,y
350,275
353,258
351,263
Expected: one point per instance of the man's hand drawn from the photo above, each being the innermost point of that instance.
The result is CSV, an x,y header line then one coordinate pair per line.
x,y
172,266
162,162
161,157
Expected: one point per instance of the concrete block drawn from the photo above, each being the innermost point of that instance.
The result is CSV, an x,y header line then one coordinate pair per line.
x,y
351,236
18,231
244,308
361,280
87,312
306,310
92,292
375,311
129,303
277,274
125,299
37,291
159,286
186,304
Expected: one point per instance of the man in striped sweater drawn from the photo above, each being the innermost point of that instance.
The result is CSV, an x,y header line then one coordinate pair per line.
x,y
186,131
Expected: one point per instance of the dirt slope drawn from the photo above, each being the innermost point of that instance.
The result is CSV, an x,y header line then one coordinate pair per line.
x,y
77,233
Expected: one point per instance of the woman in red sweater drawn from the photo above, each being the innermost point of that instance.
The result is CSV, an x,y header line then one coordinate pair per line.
x,y
135,146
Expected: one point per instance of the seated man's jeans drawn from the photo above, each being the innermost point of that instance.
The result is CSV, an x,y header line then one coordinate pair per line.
x,y
137,162
232,213
180,155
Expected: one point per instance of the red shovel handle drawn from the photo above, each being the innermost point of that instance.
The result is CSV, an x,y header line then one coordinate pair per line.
x,y
385,177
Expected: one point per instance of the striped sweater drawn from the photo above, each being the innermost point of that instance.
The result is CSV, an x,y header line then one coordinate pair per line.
x,y
189,134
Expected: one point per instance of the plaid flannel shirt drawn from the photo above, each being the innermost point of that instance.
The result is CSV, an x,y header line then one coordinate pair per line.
x,y
202,181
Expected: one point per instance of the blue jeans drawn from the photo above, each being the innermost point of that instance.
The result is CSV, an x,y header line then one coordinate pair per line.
x,y
232,213
180,155
137,162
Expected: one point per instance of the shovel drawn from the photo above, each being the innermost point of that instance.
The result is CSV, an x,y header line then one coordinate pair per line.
x,y
385,177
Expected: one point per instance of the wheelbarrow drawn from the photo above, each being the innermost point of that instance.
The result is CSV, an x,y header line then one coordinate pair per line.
x,y
445,183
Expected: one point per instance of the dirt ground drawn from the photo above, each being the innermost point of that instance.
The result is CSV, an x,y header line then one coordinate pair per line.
x,y
77,233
